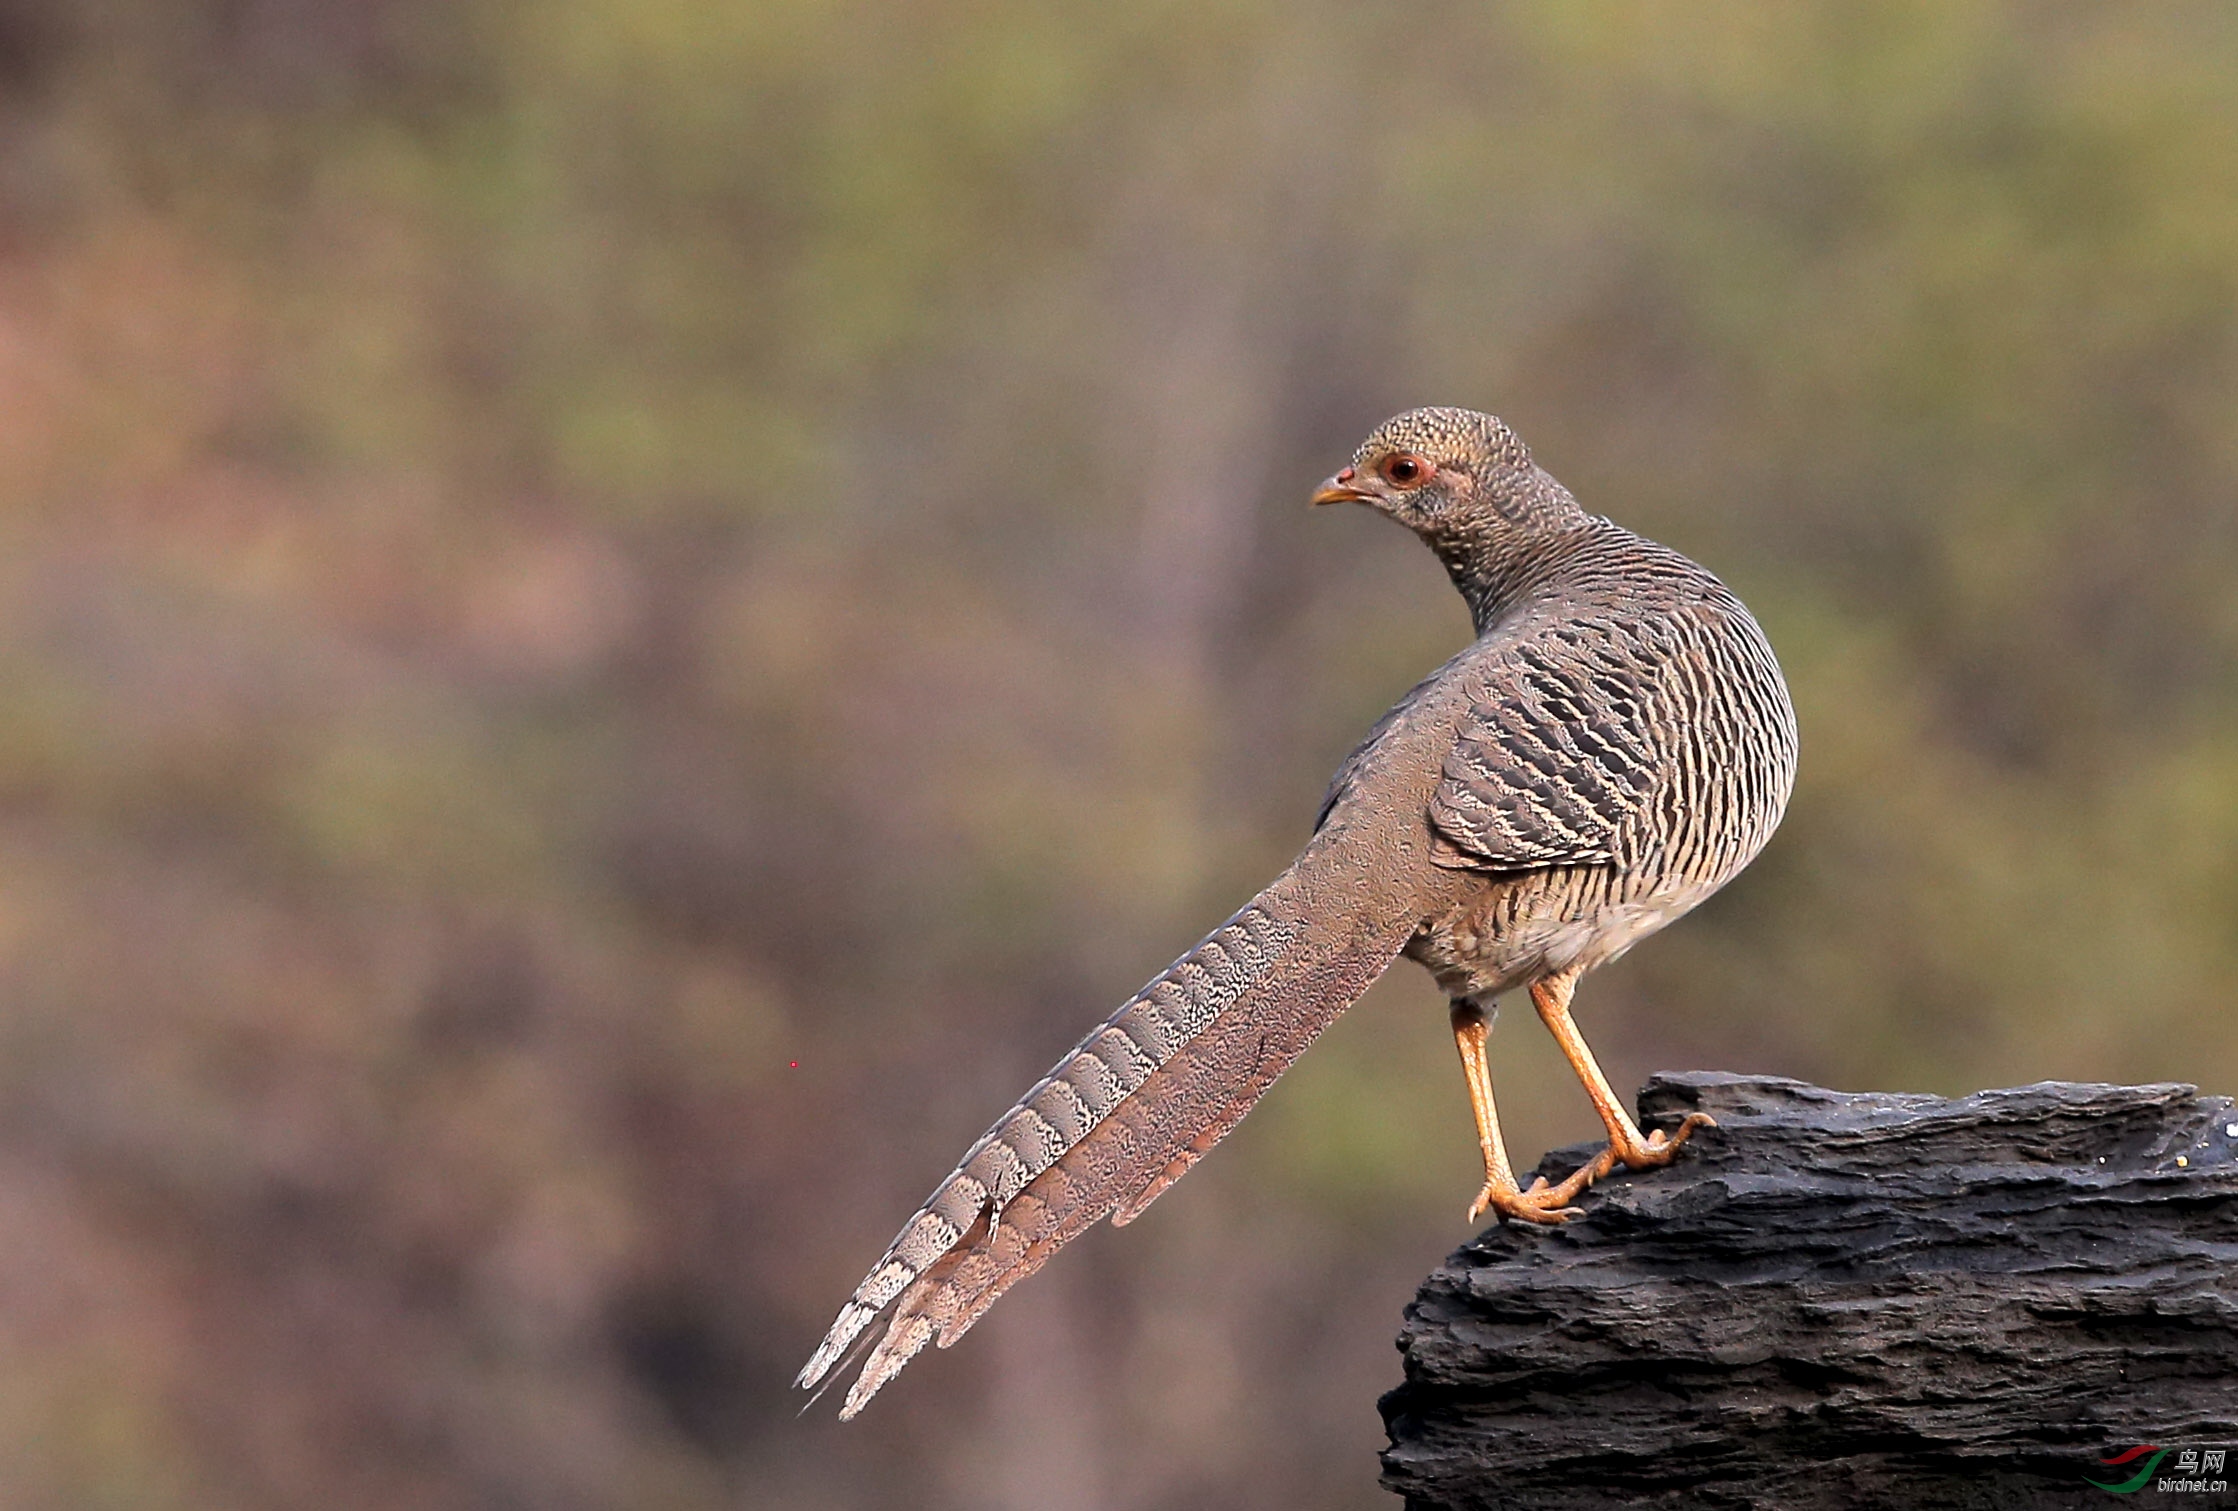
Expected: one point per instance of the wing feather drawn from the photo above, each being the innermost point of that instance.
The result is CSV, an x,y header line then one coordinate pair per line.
x,y
1557,753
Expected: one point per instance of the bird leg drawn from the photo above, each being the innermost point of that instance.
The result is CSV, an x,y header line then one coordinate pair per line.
x,y
1551,996
1542,1203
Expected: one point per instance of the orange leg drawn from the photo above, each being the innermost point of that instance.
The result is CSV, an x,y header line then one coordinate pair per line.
x,y
1542,1203
1551,996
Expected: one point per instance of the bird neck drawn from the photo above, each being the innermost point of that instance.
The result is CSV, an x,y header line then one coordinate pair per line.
x,y
1498,557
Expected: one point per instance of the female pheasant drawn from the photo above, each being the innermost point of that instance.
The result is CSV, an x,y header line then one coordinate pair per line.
x,y
1615,745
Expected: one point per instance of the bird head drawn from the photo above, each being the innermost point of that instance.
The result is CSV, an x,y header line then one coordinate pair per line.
x,y
1441,470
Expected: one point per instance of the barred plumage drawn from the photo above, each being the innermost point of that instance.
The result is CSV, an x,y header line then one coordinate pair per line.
x,y
1615,746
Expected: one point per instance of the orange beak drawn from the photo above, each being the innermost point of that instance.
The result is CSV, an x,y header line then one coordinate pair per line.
x,y
1339,490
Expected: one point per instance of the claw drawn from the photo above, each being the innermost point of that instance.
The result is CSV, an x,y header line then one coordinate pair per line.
x,y
1543,1204
1658,1149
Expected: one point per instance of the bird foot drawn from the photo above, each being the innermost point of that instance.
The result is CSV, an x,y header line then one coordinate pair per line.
x,y
1657,1149
1550,1204
1542,1203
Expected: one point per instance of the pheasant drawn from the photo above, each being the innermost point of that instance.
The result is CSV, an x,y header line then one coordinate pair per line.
x,y
1615,745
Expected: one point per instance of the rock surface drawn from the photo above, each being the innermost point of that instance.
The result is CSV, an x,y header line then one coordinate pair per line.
x,y
1844,1300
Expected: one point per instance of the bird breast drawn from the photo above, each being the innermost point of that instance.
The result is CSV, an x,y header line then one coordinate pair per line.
x,y
1510,930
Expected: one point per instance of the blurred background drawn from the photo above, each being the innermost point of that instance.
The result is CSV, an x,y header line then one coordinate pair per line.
x,y
618,618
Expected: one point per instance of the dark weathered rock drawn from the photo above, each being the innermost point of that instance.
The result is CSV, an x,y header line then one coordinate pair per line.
x,y
1844,1300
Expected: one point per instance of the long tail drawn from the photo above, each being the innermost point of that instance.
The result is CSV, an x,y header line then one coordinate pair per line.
x,y
1122,1117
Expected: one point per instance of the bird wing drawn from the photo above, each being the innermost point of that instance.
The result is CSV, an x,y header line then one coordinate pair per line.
x,y
1556,751
1125,1114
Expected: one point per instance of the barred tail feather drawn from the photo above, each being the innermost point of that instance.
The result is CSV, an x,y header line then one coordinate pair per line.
x,y
1116,1121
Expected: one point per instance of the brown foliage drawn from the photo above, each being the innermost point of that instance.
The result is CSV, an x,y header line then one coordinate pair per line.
x,y
620,618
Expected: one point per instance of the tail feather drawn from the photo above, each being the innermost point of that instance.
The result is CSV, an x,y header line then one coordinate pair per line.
x,y
1119,1119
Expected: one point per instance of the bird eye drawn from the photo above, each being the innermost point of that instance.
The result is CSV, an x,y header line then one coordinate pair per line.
x,y
1405,469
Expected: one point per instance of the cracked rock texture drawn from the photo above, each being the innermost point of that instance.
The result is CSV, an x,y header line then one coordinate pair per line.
x,y
1843,1300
